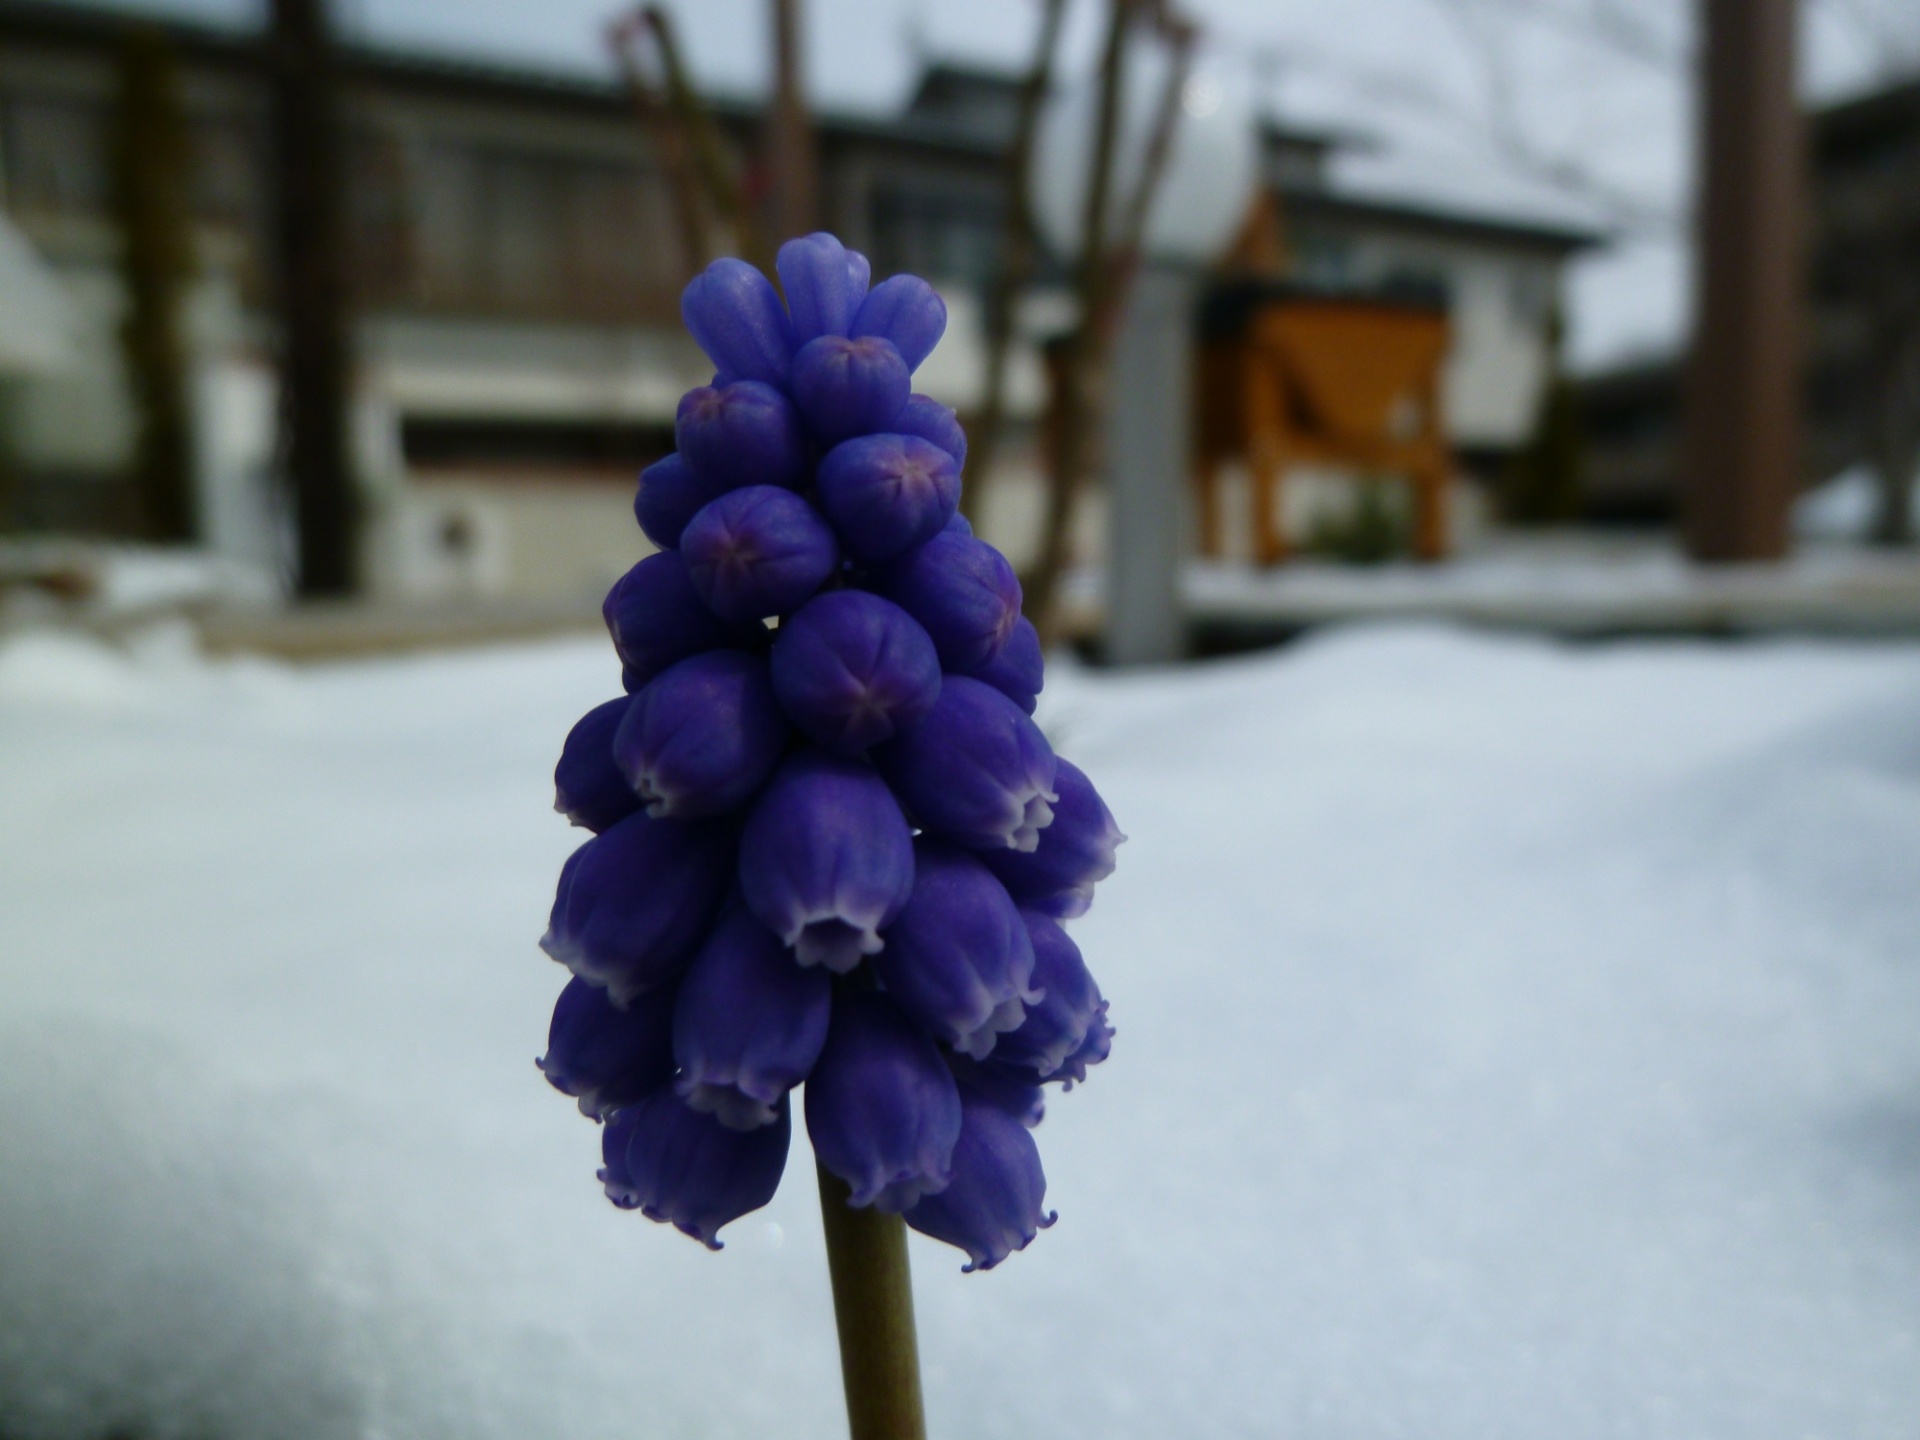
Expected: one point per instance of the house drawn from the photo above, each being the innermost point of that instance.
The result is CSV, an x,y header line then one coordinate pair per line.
x,y
515,267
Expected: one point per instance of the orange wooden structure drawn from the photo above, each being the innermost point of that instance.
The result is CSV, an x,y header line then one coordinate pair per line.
x,y
1306,379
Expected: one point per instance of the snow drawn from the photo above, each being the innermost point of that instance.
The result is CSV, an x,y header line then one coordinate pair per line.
x,y
1515,1040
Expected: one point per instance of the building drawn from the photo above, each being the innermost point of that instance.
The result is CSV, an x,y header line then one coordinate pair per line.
x,y
516,267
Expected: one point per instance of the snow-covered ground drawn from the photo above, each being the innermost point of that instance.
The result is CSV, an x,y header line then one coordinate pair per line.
x,y
1515,1041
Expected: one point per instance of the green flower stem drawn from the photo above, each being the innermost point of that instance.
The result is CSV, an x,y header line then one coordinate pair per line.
x,y
873,1306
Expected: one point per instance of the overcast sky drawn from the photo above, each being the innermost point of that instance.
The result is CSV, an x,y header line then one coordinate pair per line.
x,y
1551,109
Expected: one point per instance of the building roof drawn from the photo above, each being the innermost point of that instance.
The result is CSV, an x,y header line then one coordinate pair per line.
x,y
1316,202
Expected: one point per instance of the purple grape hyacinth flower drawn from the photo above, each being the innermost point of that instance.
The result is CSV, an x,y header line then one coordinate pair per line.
x,y
906,311
825,283
995,1202
851,669
735,315
1073,854
604,1056
634,901
886,494
1056,1025
657,619
849,387
826,859
670,494
962,590
749,1024
588,787
757,552
703,735
1019,670
975,770
680,1167
883,1110
959,959
936,424
746,433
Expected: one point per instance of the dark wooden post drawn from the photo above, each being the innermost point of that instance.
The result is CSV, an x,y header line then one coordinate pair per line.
x,y
796,203
1740,454
156,263
873,1311
314,293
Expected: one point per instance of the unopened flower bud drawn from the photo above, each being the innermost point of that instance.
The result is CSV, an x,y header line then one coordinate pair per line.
x,y
886,494
850,669
959,959
1019,669
849,387
824,283
703,736
757,552
634,902
606,1057
746,433
826,859
995,1202
671,493
936,424
748,1025
975,770
1072,855
735,315
962,590
680,1167
588,787
905,310
882,1108
657,618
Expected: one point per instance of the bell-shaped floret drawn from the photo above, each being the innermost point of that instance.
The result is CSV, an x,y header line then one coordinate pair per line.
x,y
748,1025
826,859
746,433
680,1167
849,387
882,1108
851,669
1012,1089
588,787
906,311
887,494
1019,669
958,959
657,619
962,590
634,902
958,525
824,282
1074,853
703,736
1095,1048
995,1203
606,1057
758,551
1056,1025
735,315
936,424
975,770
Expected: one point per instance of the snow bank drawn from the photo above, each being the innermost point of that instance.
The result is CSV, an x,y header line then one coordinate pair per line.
x,y
1514,1041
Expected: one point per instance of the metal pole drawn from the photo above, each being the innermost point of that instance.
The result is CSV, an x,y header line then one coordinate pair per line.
x,y
1148,430
314,294
873,1309
1740,454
